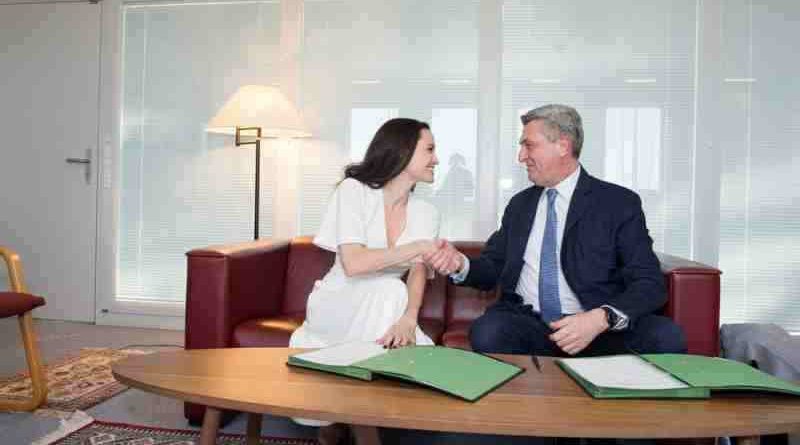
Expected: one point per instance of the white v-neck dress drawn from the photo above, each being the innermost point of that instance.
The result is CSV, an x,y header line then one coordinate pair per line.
x,y
342,308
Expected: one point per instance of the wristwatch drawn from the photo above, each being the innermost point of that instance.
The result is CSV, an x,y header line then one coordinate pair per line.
x,y
612,318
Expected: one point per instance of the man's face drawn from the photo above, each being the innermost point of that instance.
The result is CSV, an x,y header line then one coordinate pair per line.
x,y
544,160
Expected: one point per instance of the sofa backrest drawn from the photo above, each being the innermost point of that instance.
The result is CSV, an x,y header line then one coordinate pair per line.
x,y
309,263
443,301
466,303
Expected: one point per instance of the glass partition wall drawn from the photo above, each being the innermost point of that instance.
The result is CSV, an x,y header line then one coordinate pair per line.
x,y
637,71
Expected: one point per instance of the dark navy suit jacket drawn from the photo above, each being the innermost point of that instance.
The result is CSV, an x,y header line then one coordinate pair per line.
x,y
606,252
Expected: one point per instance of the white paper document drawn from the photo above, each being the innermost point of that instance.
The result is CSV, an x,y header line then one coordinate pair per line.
x,y
344,354
623,371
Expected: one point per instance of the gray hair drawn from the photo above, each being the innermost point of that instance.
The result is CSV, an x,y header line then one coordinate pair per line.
x,y
559,120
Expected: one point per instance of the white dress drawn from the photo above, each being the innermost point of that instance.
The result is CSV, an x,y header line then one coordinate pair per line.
x,y
364,307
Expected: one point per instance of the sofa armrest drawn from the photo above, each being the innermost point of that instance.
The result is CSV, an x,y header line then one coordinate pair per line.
x,y
693,302
228,284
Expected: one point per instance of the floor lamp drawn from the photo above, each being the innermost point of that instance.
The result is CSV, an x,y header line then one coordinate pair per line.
x,y
254,113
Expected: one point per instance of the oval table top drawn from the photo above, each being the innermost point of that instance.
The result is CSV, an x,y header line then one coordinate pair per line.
x,y
547,403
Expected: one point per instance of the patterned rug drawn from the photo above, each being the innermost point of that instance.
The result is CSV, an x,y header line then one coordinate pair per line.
x,y
75,383
123,434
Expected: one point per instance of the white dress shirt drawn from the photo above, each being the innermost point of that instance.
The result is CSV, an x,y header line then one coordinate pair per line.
x,y
528,284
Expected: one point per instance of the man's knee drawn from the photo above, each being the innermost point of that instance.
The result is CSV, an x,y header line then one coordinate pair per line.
x,y
661,335
485,334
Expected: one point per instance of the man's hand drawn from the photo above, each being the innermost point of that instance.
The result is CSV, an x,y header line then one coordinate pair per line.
x,y
402,333
574,333
446,259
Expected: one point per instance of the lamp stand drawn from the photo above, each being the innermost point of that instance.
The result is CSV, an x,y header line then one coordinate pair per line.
x,y
257,143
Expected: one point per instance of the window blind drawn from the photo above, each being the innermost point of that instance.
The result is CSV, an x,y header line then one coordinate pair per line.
x,y
759,199
633,83
182,188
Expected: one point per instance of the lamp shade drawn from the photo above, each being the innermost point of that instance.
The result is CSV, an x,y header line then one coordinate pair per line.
x,y
259,106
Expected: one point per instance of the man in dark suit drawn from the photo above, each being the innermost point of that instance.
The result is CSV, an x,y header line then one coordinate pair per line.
x,y
573,257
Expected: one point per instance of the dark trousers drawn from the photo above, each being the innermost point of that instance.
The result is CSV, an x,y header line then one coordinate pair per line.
x,y
509,327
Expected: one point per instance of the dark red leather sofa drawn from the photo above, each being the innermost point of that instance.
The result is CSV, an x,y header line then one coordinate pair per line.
x,y
254,295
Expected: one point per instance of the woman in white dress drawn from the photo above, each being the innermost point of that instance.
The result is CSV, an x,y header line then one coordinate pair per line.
x,y
379,231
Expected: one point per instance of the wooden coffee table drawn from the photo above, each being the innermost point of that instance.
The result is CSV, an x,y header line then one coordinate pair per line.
x,y
546,403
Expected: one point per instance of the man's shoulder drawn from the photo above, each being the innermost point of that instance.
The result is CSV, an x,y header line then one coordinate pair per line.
x,y
522,200
612,194
525,195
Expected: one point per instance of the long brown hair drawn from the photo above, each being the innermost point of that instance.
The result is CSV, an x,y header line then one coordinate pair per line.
x,y
389,152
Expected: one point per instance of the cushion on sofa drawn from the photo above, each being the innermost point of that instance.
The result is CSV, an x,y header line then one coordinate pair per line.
x,y
266,332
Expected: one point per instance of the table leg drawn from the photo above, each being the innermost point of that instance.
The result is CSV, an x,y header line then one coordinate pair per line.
x,y
748,440
366,435
253,428
208,433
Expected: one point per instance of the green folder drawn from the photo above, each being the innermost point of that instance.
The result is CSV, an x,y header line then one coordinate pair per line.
x,y
457,372
668,376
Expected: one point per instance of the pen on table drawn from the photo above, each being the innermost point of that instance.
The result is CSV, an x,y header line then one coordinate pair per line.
x,y
535,361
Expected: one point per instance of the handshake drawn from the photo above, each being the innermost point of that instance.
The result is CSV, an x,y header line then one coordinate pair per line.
x,y
440,255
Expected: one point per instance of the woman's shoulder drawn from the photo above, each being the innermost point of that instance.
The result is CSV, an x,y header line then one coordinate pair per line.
x,y
351,184
351,187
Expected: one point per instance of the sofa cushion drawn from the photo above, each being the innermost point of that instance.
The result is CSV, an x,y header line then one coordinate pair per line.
x,y
17,303
457,335
467,304
267,332
433,328
434,301
275,331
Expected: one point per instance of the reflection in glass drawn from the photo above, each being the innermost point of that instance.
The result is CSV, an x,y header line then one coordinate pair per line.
x,y
455,130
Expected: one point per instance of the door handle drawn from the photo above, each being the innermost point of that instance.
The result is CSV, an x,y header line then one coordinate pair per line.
x,y
87,162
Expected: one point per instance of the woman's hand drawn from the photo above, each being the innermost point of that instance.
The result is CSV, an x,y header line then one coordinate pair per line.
x,y
425,247
402,333
445,259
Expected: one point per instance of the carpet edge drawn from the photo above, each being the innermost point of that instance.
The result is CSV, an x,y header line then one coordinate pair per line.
x,y
75,422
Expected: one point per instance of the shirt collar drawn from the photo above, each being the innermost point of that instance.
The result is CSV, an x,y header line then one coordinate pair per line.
x,y
566,187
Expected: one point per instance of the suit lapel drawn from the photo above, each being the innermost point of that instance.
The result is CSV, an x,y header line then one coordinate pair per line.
x,y
580,200
522,233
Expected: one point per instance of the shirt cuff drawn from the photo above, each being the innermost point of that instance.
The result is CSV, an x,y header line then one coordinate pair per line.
x,y
623,321
459,277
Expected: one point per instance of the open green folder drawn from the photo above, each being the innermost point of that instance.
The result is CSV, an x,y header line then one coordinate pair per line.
x,y
460,373
668,376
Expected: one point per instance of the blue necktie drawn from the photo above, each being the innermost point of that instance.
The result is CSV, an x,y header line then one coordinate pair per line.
x,y
549,304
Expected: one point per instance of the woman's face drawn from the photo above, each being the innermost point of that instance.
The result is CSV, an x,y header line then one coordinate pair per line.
x,y
420,169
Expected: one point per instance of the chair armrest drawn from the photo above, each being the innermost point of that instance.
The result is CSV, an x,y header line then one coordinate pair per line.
x,y
693,301
14,265
229,284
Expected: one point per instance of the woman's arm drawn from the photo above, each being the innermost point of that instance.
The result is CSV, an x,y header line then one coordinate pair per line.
x,y
358,259
416,289
403,331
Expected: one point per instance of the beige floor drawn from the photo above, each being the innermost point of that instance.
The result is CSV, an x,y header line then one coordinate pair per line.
x,y
60,338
